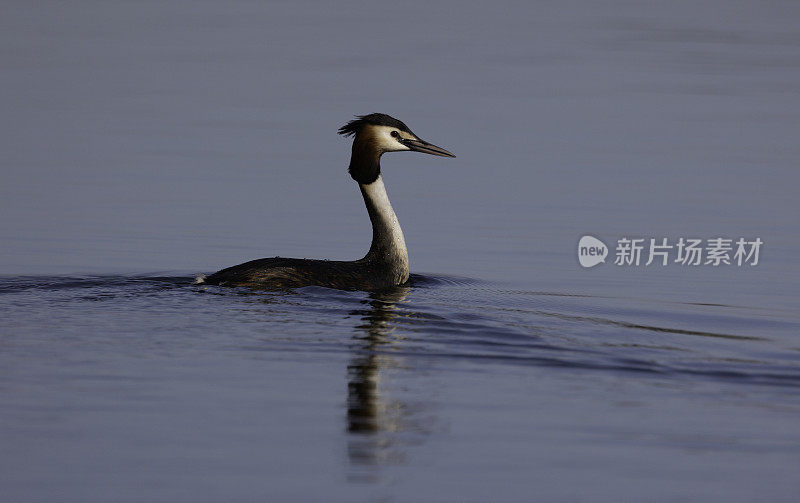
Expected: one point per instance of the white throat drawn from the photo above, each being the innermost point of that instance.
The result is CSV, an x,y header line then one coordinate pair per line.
x,y
388,244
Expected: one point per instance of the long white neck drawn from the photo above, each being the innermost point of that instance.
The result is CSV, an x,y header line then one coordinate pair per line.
x,y
388,244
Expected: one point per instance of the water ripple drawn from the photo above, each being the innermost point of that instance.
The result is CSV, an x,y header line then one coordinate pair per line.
x,y
434,318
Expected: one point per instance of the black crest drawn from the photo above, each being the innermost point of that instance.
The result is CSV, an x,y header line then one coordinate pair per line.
x,y
354,126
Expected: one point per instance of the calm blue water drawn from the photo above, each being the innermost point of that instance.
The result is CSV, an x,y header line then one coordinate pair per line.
x,y
144,143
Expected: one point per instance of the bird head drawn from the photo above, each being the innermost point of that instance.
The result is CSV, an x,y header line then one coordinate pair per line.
x,y
375,134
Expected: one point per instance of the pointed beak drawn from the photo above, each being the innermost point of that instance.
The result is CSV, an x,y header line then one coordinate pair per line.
x,y
426,148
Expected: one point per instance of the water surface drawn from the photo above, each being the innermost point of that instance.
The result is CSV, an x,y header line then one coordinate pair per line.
x,y
144,143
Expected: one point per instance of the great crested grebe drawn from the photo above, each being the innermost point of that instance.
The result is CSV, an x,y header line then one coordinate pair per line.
x,y
386,262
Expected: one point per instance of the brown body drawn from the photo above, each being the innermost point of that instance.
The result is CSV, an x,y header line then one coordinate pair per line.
x,y
280,273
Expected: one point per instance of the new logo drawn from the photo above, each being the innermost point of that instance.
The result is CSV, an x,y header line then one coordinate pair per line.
x,y
591,251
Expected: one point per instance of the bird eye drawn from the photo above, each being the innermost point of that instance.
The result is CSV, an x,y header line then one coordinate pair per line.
x,y
395,134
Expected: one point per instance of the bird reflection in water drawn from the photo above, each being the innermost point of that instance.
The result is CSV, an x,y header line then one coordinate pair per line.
x,y
376,424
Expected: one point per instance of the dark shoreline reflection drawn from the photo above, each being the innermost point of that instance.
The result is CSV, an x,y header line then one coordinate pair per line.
x,y
373,420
